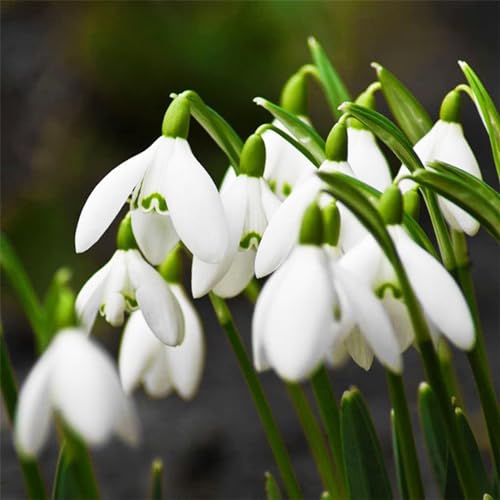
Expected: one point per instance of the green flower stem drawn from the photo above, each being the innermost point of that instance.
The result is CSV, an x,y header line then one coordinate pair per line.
x,y
449,374
314,438
35,488
477,357
271,429
405,434
331,420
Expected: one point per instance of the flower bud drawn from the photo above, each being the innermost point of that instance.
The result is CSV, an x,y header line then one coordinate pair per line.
x,y
336,143
294,94
331,224
253,157
311,229
390,205
177,118
450,107
125,239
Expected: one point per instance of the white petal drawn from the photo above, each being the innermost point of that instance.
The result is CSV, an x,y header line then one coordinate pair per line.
x,y
116,287
195,205
239,275
337,355
157,380
227,180
297,328
359,350
33,412
282,231
400,319
436,290
157,303
154,233
371,318
367,160
270,201
186,361
138,350
351,230
105,201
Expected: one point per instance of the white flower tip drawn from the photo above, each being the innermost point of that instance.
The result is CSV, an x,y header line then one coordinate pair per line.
x,y
376,66
423,387
80,244
312,42
462,64
344,105
260,101
396,365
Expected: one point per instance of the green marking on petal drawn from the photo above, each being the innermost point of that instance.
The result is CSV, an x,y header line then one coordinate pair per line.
x,y
286,189
272,185
249,239
390,287
337,312
130,302
154,201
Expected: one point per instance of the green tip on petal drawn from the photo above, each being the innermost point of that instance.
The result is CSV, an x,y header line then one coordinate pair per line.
x,y
390,205
450,107
331,224
411,203
294,94
253,156
125,239
311,229
171,267
177,118
336,143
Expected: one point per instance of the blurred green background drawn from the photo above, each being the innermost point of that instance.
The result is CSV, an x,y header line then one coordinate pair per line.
x,y
85,86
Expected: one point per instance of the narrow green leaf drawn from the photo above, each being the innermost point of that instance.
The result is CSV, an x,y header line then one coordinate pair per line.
x,y
272,488
410,115
303,132
333,86
365,469
489,114
65,485
157,479
398,459
216,126
483,205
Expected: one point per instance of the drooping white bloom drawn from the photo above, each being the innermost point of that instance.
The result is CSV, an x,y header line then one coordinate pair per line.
x,y
440,297
76,380
164,179
125,283
285,165
446,142
249,204
366,158
161,368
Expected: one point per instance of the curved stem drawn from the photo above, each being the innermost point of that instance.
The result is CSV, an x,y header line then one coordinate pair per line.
x,y
271,429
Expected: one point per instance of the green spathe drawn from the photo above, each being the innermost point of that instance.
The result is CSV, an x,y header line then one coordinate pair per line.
x,y
125,239
311,229
253,157
177,118
450,107
171,267
390,205
336,143
331,224
367,100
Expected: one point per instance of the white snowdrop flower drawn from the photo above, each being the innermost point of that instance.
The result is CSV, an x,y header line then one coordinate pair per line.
x,y
126,282
77,381
446,142
160,368
249,204
282,232
171,188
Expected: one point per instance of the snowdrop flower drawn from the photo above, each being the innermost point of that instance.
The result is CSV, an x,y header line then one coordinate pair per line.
x,y
446,142
249,205
126,282
282,232
440,297
172,193
77,381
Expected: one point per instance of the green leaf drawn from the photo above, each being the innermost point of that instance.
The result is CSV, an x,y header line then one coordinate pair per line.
x,y
335,90
303,132
157,479
25,291
488,111
65,485
216,126
272,488
365,469
476,198
398,459
410,115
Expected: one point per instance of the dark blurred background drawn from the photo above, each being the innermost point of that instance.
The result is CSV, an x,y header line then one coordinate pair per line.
x,y
85,86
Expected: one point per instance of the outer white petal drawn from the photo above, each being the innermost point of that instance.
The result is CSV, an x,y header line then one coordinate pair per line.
x,y
367,160
157,380
359,350
116,287
351,230
90,297
33,412
195,205
229,177
338,355
105,201
204,276
138,350
239,275
86,390
283,229
371,318
154,233
186,361
364,260
158,305
297,328
436,290
400,319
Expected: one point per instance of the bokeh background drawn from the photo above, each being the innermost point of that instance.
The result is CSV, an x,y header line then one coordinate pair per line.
x,y
85,86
